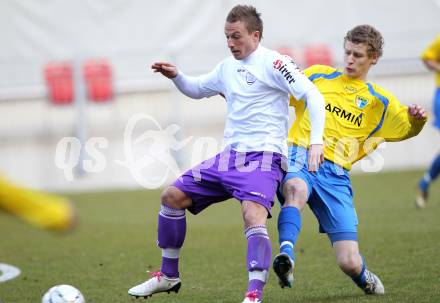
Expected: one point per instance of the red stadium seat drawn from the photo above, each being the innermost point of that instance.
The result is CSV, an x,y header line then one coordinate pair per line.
x,y
59,80
295,54
98,77
285,51
318,54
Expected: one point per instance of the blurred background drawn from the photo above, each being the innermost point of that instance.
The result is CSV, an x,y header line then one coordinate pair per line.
x,y
81,69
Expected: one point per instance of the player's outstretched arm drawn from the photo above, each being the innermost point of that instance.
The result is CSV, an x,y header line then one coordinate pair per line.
x,y
417,117
189,86
167,69
402,122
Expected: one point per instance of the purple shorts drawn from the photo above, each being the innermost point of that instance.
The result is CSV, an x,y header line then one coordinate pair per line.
x,y
252,176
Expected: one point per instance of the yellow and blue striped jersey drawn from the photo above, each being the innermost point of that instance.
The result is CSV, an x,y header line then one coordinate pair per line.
x,y
359,116
433,53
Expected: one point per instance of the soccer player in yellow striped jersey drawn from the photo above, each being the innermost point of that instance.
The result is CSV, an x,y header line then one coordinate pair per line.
x,y
431,58
359,115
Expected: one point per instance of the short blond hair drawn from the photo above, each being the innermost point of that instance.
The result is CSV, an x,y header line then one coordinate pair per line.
x,y
368,35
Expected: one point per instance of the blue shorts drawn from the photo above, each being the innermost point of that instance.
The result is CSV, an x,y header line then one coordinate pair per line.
x,y
330,196
436,108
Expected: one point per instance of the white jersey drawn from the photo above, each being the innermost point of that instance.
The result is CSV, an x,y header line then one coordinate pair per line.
x,y
257,92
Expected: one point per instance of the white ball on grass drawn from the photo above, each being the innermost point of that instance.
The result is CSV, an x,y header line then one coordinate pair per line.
x,y
63,294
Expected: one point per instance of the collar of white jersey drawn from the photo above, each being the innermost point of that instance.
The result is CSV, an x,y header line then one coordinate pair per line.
x,y
252,58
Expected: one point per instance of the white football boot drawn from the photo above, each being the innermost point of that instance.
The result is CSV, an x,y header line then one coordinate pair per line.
x,y
158,283
374,285
421,198
283,267
251,297
247,300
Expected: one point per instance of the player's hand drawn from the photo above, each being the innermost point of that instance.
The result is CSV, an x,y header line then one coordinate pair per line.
x,y
416,111
316,157
165,68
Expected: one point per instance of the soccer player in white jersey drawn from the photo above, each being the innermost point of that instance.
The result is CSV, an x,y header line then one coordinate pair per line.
x,y
256,83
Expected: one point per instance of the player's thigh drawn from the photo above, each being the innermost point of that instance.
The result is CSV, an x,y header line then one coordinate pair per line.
x,y
332,203
258,184
203,185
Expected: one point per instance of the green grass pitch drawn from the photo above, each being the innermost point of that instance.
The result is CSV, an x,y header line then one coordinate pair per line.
x,y
115,245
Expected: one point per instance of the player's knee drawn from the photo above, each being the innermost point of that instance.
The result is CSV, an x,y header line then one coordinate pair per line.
x,y
349,263
253,213
296,192
175,198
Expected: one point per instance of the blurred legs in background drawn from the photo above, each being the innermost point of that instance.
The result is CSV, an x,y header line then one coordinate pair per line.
x,y
423,186
434,170
431,59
